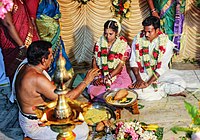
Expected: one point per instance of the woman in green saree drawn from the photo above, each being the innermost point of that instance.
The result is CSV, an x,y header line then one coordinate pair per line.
x,y
47,21
171,14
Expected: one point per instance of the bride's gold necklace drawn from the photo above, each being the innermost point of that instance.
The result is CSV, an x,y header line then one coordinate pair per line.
x,y
36,67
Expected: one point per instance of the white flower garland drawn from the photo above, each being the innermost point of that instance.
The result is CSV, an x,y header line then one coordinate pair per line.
x,y
119,46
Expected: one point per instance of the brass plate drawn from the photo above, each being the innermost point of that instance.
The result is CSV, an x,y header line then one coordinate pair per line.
x,y
94,115
131,98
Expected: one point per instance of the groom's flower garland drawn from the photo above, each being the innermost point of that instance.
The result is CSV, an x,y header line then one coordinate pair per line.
x,y
108,60
150,61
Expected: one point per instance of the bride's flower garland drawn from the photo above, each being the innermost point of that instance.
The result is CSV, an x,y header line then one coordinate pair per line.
x,y
106,59
150,61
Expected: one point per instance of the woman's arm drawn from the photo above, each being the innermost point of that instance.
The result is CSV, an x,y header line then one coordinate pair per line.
x,y
8,24
153,9
119,68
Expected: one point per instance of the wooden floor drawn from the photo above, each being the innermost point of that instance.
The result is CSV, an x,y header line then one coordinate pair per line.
x,y
167,112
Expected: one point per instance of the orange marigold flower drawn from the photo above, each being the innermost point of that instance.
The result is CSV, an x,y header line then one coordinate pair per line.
x,y
126,5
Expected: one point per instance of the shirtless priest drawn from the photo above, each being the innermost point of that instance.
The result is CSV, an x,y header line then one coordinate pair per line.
x,y
32,88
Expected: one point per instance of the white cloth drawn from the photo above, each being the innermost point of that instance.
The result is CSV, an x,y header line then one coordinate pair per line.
x,y
4,80
168,82
35,132
12,97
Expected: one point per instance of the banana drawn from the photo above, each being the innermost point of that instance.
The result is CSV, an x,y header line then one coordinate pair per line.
x,y
150,127
123,100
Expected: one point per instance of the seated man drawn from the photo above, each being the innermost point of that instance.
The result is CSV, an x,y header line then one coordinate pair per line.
x,y
151,54
33,87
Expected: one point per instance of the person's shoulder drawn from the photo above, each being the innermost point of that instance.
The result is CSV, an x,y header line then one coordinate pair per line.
x,y
32,75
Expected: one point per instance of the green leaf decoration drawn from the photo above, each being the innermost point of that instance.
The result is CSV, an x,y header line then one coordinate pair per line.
x,y
159,133
175,129
193,112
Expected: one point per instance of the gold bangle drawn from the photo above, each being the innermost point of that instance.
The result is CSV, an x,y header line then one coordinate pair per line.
x,y
122,62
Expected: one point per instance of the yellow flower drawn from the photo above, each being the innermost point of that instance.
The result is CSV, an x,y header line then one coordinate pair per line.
x,y
128,14
126,5
115,2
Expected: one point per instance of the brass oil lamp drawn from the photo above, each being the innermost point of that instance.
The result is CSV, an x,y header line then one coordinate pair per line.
x,y
61,115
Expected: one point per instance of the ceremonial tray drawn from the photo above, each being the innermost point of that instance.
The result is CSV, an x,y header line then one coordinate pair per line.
x,y
130,98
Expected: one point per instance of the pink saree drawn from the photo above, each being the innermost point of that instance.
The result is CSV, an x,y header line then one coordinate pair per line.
x,y
23,25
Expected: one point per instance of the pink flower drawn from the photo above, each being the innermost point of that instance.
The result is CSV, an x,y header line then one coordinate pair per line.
x,y
159,65
120,56
5,6
111,57
96,48
99,54
123,38
147,64
105,68
146,50
162,49
140,67
155,54
127,54
137,46
133,134
2,12
141,52
104,51
116,55
159,33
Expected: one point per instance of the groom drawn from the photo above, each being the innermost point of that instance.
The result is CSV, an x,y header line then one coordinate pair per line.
x,y
151,53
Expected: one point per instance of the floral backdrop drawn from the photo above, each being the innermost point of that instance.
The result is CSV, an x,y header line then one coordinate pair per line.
x,y
82,24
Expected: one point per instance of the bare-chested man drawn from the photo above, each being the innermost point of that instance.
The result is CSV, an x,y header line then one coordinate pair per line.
x,y
33,87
